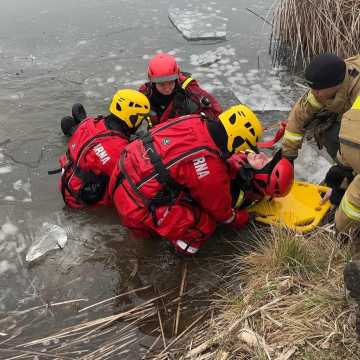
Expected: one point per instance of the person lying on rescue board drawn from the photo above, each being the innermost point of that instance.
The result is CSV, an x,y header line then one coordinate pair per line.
x,y
258,175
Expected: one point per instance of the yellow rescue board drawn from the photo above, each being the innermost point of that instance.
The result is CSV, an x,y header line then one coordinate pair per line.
x,y
299,210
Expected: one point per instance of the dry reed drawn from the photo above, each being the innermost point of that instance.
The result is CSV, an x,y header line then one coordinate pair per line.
x,y
284,299
306,28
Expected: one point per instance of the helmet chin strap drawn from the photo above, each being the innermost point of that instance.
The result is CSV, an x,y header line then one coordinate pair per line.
x,y
254,148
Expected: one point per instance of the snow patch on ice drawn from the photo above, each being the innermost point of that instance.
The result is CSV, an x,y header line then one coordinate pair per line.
x,y
261,90
9,228
5,266
111,80
17,96
5,169
9,198
26,186
92,94
82,42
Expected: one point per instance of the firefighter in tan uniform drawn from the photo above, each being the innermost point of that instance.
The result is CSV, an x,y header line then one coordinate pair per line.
x,y
334,86
347,215
331,109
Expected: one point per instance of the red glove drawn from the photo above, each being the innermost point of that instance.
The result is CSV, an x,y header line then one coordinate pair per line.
x,y
235,162
241,219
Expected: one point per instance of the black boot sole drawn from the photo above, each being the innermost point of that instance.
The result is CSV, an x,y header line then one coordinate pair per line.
x,y
78,112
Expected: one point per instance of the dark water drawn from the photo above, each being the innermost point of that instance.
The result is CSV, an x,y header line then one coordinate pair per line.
x,y
53,54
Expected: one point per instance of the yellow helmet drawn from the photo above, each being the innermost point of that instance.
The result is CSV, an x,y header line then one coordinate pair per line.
x,y
130,106
242,127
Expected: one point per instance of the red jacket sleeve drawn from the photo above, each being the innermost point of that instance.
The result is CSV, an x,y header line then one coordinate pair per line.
x,y
209,184
214,109
143,89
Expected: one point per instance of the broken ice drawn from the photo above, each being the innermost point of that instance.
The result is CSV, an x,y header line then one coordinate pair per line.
x,y
197,25
50,237
310,165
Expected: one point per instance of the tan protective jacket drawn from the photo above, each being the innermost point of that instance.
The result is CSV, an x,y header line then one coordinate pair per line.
x,y
307,106
347,216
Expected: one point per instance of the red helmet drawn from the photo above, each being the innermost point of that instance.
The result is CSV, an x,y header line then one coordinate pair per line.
x,y
163,67
275,178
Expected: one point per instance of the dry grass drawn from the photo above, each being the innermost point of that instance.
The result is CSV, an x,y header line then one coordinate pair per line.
x,y
292,305
306,28
282,299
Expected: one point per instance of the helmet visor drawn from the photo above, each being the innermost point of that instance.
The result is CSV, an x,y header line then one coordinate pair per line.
x,y
160,79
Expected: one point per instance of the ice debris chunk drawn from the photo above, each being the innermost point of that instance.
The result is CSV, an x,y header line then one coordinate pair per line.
x,y
311,165
198,24
49,237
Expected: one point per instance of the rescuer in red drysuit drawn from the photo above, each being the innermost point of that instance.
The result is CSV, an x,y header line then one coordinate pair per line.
x,y
175,181
94,148
173,93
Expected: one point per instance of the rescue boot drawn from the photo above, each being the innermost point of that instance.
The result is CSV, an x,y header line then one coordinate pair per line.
x,y
352,279
78,112
68,125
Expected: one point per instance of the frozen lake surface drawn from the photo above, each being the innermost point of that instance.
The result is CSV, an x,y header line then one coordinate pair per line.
x,y
54,54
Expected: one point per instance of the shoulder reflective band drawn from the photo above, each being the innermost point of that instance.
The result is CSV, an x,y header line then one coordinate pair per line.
x,y
186,247
313,102
350,210
293,136
186,82
356,104
239,200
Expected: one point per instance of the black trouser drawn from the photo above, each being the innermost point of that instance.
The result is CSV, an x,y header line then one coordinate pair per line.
x,y
331,139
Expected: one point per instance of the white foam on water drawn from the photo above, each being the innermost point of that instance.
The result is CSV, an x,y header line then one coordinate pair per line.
x,y
82,42
9,228
9,198
134,83
111,80
5,266
24,186
92,94
118,68
5,169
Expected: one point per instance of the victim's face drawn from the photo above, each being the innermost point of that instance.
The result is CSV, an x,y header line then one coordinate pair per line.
x,y
258,161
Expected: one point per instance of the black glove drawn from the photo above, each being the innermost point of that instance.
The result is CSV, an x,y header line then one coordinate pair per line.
x,y
336,174
336,196
326,115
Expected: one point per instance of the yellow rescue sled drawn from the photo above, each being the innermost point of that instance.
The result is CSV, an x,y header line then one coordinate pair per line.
x,y
299,210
